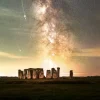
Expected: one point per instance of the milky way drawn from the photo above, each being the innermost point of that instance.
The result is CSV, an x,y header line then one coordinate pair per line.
x,y
55,39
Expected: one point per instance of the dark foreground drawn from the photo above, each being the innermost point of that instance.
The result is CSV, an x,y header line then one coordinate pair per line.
x,y
62,89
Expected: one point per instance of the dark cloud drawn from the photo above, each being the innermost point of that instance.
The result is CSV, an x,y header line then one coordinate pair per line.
x,y
86,21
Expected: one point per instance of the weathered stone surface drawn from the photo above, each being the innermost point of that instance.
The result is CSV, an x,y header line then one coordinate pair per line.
x,y
20,74
48,74
34,76
41,74
54,73
30,73
25,74
38,73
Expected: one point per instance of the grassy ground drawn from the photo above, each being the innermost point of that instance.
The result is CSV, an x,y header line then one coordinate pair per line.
x,y
63,89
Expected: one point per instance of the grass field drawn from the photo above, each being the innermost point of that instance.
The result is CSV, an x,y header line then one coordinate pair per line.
x,y
60,89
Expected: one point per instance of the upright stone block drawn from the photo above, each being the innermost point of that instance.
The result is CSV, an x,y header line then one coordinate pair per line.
x,y
48,74
20,74
25,74
30,73
71,73
54,73
58,72
34,74
41,74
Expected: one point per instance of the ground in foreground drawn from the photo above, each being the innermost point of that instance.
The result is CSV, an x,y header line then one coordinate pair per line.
x,y
62,89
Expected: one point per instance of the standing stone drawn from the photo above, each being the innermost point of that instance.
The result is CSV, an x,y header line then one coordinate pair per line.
x,y
34,74
20,74
58,72
54,73
25,74
71,73
41,74
48,74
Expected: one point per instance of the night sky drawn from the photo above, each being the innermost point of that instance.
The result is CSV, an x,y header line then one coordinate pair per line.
x,y
15,35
